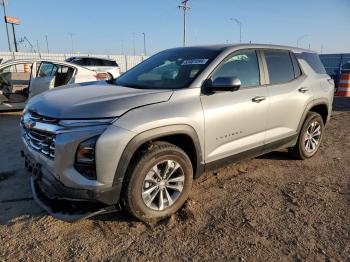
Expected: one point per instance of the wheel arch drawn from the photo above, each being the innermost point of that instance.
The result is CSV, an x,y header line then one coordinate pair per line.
x,y
183,136
320,107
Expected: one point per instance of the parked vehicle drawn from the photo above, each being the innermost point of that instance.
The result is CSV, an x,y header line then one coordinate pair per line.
x,y
23,79
141,140
97,64
345,68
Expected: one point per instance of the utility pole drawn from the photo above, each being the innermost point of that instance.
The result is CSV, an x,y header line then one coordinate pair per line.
x,y
144,43
239,23
47,44
299,38
185,7
14,37
4,2
71,39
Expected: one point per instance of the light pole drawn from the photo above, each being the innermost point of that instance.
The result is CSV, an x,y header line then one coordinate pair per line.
x,y
239,23
300,38
47,44
144,44
37,46
4,2
122,47
133,43
185,7
72,43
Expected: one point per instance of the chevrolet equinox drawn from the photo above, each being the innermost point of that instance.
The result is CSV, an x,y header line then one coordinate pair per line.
x,y
138,141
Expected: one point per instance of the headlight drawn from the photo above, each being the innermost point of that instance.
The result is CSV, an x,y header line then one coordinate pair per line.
x,y
85,158
86,122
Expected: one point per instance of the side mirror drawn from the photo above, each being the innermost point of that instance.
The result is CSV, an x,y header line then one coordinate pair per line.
x,y
226,84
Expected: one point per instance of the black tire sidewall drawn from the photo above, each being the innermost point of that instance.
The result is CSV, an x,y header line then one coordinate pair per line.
x,y
134,199
301,147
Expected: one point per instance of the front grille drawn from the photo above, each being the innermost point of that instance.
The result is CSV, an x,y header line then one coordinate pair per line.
x,y
40,141
37,139
36,117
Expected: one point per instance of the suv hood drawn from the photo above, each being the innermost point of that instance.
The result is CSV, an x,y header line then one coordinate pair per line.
x,y
93,101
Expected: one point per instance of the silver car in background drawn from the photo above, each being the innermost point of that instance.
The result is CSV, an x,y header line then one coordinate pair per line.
x,y
139,141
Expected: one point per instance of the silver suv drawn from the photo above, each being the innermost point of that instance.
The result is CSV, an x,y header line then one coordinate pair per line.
x,y
139,141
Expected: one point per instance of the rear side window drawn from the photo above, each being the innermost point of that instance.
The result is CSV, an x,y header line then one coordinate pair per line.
x,y
109,63
95,62
280,66
78,61
314,61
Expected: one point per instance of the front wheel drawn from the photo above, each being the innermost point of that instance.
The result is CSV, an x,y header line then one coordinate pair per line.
x,y
310,137
158,182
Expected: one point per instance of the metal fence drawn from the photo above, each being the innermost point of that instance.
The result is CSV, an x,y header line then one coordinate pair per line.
x,y
333,62
125,62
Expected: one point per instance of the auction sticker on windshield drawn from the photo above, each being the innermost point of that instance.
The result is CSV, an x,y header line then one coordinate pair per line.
x,y
195,62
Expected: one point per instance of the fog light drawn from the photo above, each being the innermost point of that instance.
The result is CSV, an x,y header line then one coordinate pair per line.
x,y
85,158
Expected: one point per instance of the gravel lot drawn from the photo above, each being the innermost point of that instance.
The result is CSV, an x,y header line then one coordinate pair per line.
x,y
270,208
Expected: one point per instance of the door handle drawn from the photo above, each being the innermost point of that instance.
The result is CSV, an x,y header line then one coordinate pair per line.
x,y
303,89
258,99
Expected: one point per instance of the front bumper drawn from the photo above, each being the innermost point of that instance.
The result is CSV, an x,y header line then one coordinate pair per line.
x,y
61,190
66,210
65,203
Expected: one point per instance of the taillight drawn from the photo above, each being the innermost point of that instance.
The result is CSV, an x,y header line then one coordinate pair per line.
x,y
101,76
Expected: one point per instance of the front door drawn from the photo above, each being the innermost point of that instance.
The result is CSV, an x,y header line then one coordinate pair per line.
x,y
235,121
14,83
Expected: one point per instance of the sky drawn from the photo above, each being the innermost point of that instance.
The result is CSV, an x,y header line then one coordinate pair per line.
x,y
113,26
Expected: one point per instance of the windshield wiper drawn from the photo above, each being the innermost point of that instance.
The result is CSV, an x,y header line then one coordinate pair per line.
x,y
129,85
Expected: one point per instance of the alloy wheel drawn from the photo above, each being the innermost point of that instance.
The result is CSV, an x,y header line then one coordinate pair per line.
x,y
312,137
163,185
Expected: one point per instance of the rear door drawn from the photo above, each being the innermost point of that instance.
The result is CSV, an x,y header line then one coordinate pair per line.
x,y
289,93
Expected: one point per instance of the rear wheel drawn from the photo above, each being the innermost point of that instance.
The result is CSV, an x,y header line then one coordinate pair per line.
x,y
310,137
158,182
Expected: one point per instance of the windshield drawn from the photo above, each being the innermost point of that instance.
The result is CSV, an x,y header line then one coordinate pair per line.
x,y
170,69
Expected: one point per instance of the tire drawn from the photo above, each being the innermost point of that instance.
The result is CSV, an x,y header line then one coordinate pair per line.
x,y
304,149
141,177
110,77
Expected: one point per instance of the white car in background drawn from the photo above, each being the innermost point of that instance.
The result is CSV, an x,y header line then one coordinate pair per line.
x,y
23,79
100,65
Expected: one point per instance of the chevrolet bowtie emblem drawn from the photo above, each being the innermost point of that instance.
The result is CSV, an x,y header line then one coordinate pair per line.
x,y
29,124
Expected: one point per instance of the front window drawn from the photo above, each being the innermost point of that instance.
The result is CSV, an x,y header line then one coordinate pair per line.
x,y
47,69
170,69
242,64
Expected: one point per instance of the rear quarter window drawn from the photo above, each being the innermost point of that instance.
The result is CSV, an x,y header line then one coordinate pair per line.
x,y
109,63
313,61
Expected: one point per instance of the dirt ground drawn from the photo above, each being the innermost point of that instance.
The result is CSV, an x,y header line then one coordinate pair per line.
x,y
270,208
